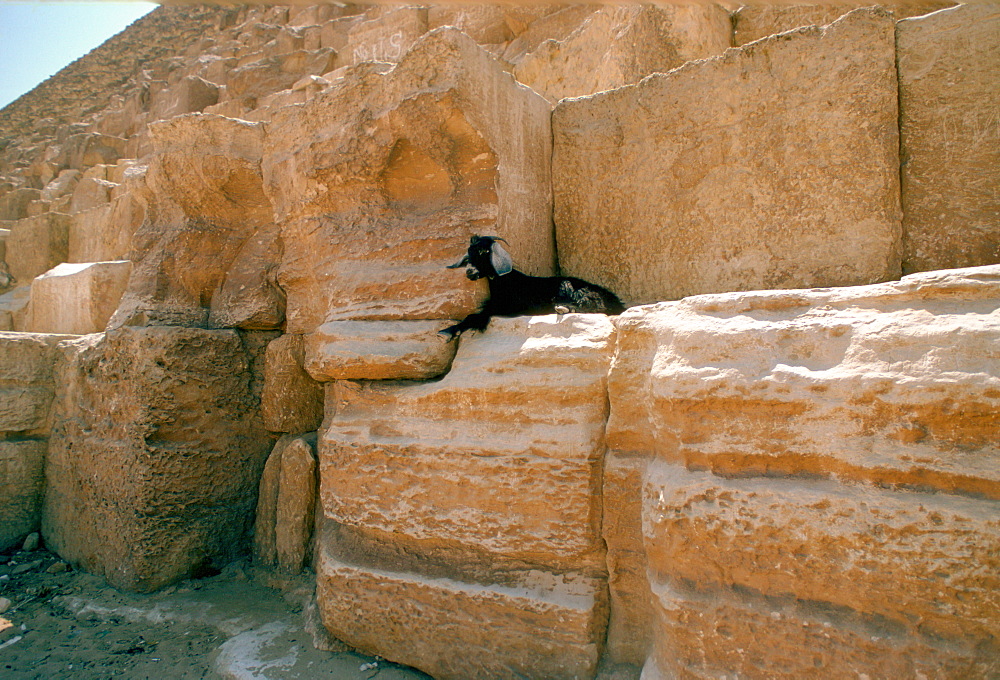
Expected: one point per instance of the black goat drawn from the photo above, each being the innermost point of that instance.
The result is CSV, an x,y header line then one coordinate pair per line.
x,y
513,293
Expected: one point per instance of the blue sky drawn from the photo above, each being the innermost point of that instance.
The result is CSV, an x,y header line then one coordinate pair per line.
x,y
39,38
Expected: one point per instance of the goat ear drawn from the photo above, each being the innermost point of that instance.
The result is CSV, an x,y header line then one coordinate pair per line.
x,y
500,259
461,263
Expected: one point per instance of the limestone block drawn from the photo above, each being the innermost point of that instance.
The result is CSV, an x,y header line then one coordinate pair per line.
x,y
379,181
286,505
26,387
378,350
14,308
542,626
858,395
91,192
538,29
14,204
64,184
386,37
22,479
486,24
155,454
754,21
901,376
291,401
87,149
501,456
204,206
77,298
772,166
249,296
105,233
37,244
928,564
719,635
618,45
189,95
950,137
272,74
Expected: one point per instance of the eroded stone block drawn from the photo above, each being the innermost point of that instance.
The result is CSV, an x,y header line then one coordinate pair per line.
x,y
37,244
22,479
292,401
772,166
77,298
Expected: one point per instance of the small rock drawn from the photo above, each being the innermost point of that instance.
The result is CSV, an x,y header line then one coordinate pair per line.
x,y
5,604
57,568
31,542
24,568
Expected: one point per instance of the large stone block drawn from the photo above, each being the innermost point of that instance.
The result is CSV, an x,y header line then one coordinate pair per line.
x,y
949,98
379,180
772,166
540,626
205,208
502,455
22,479
37,244
753,21
386,37
77,298
378,350
879,403
621,44
155,454
26,386
291,401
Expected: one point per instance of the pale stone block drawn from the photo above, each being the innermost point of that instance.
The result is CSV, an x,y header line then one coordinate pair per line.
x,y
894,383
77,298
37,244
379,180
156,454
540,625
772,166
22,479
248,296
14,308
949,98
26,387
292,401
502,455
378,350
91,192
14,204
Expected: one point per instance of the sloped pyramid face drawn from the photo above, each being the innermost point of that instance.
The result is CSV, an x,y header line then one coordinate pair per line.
x,y
778,463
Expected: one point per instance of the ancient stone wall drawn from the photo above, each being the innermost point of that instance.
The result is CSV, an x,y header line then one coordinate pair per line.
x,y
745,474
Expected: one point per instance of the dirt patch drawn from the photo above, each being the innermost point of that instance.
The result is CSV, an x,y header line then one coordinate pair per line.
x,y
60,623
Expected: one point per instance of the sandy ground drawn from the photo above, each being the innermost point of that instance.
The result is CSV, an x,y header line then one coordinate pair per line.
x,y
57,623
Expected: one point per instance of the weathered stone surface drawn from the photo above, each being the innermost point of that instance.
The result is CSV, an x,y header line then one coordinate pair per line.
x,y
286,505
542,626
486,24
928,564
617,45
249,296
279,72
26,386
155,454
553,25
378,182
754,21
37,244
386,37
714,634
22,479
189,95
950,137
880,404
204,202
77,298
91,192
14,204
291,401
772,166
14,308
378,350
444,462
105,233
